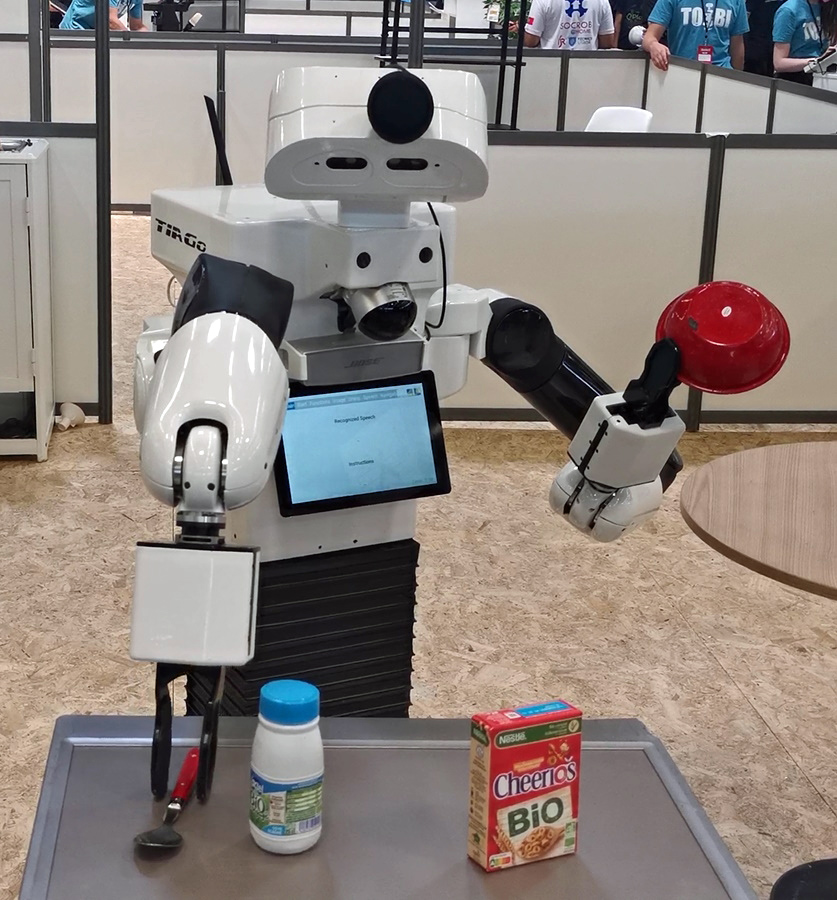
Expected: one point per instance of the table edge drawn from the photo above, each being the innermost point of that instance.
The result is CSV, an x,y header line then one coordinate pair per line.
x,y
756,565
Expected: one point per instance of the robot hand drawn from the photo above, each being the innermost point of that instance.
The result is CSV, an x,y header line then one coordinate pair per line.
x,y
635,35
601,512
821,65
624,442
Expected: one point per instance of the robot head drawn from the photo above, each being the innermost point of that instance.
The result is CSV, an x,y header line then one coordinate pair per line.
x,y
377,135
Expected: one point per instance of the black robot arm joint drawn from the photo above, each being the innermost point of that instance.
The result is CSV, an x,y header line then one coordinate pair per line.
x,y
523,349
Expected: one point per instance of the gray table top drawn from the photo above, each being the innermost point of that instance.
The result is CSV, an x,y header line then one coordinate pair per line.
x,y
396,809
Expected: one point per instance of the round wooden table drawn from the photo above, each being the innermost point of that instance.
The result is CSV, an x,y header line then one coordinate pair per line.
x,y
772,509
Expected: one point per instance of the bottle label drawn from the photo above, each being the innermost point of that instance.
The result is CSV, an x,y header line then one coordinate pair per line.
x,y
285,808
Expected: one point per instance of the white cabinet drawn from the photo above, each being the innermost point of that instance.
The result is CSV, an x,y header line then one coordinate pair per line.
x,y
26,390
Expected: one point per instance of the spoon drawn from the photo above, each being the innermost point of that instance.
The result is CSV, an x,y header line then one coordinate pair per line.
x,y
164,837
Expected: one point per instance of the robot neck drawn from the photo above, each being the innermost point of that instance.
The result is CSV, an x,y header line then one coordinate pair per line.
x,y
369,213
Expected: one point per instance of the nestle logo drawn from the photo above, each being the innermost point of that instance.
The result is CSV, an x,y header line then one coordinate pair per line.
x,y
357,363
514,738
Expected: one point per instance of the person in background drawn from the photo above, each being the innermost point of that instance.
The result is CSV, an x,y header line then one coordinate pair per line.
x,y
802,31
626,15
710,31
569,25
758,42
81,14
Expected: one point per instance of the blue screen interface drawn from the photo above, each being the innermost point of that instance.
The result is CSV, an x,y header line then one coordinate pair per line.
x,y
357,442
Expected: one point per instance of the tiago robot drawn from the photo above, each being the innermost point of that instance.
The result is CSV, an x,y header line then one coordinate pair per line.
x,y
290,415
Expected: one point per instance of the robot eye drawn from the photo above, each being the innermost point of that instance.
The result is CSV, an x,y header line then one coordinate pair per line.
x,y
406,165
400,107
346,162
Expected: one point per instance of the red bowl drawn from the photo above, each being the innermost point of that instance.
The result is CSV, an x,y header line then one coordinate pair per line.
x,y
731,337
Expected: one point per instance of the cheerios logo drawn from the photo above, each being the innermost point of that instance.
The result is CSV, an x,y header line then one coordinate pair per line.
x,y
507,784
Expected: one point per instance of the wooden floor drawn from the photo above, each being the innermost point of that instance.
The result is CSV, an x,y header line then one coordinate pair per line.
x,y
735,673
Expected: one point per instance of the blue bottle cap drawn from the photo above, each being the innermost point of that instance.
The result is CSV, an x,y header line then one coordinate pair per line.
x,y
289,702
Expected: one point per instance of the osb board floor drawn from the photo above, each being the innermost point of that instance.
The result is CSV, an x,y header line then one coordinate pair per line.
x,y
735,673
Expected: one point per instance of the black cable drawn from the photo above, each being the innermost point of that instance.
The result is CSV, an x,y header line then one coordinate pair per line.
x,y
220,143
444,269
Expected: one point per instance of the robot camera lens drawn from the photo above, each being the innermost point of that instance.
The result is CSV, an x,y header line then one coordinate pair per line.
x,y
400,107
407,165
390,321
346,162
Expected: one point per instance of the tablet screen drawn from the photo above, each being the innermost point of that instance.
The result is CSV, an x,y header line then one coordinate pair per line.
x,y
374,442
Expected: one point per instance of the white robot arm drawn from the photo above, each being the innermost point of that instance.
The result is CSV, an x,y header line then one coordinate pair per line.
x,y
613,483
622,453
821,65
211,425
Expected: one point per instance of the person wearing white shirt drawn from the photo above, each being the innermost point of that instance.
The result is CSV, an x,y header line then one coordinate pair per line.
x,y
570,25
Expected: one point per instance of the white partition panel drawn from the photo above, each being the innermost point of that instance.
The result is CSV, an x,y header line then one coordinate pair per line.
x,y
160,131
540,78
14,16
607,80
796,114
73,72
539,88
366,26
251,76
673,99
14,82
286,23
763,190
326,26
374,6
732,106
567,229
72,173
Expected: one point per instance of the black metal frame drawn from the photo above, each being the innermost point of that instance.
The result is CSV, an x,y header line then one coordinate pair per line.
x,y
46,67
708,246
36,101
595,139
47,130
103,201
221,105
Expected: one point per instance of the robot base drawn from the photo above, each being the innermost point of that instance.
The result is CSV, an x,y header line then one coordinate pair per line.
x,y
342,621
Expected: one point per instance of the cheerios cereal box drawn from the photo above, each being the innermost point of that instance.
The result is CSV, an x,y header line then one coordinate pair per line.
x,y
523,791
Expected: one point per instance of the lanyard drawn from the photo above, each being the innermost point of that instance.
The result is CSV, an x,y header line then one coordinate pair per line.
x,y
705,22
817,25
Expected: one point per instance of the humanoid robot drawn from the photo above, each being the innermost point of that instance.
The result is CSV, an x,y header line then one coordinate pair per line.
x,y
289,412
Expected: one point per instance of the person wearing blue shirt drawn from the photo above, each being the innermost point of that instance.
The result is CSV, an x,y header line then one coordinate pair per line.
x,y
802,31
82,14
710,31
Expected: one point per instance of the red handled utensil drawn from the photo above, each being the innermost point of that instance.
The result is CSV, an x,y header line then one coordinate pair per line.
x,y
165,837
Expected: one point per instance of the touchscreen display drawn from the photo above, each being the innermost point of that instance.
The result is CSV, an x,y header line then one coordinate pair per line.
x,y
374,440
